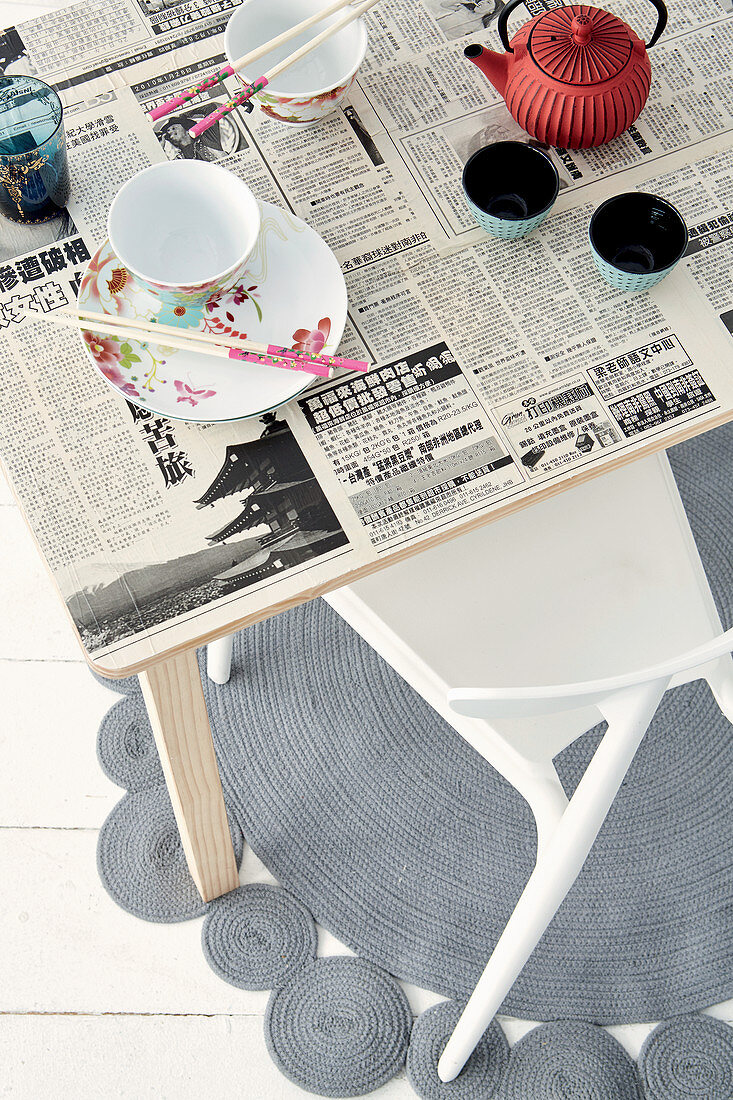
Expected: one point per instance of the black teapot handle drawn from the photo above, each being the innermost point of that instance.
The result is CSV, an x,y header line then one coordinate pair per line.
x,y
503,20
506,11
661,22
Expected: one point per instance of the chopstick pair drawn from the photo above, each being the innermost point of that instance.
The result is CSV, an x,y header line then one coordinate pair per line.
x,y
170,336
171,105
261,81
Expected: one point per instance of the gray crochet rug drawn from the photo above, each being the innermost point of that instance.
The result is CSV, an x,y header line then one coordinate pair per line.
x,y
403,842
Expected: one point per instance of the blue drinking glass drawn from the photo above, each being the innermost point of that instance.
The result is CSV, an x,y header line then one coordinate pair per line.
x,y
34,172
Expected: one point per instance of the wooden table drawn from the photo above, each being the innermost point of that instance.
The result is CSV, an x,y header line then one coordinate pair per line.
x,y
169,673
173,694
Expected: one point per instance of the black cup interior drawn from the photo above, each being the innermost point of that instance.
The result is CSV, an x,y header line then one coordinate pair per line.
x,y
638,233
511,180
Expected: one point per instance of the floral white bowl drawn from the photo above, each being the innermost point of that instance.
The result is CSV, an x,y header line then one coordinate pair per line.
x,y
184,228
313,87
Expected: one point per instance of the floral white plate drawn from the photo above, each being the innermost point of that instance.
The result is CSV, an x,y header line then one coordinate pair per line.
x,y
292,294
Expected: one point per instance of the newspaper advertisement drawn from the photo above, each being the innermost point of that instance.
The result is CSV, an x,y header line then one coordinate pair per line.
x,y
496,369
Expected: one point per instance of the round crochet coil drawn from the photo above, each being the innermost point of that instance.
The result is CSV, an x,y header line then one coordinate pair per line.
x,y
141,860
569,1060
478,1080
126,747
339,1027
257,936
690,1058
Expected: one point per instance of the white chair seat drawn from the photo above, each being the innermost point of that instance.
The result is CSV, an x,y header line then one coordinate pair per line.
x,y
598,580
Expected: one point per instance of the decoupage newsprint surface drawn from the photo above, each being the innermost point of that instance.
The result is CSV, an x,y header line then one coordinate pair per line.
x,y
500,370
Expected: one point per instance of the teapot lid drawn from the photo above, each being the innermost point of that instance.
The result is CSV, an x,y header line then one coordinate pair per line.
x,y
580,45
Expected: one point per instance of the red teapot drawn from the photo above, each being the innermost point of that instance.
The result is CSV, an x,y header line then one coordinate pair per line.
x,y
573,77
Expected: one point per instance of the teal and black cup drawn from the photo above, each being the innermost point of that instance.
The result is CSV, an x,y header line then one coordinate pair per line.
x,y
636,239
509,187
34,173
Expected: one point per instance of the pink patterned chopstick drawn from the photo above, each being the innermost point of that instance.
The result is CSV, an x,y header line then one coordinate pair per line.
x,y
170,105
226,108
294,360
147,333
286,362
336,361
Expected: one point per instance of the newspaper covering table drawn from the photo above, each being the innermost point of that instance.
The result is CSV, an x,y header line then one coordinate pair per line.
x,y
501,371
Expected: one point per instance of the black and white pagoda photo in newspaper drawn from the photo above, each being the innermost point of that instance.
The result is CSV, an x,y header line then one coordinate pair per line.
x,y
259,514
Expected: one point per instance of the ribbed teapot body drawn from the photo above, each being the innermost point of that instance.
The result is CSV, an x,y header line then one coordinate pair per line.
x,y
579,77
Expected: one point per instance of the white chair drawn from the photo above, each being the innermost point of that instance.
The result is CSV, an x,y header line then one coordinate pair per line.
x,y
584,606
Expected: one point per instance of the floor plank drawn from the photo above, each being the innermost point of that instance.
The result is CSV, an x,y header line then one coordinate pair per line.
x,y
129,1057
61,932
35,625
67,947
49,775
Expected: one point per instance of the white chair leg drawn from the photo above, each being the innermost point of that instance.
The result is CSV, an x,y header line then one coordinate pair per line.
x,y
219,659
720,678
628,713
548,803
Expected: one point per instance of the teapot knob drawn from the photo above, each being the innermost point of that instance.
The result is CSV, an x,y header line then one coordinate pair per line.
x,y
582,30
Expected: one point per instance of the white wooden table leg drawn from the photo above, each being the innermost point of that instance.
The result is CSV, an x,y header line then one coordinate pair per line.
x,y
177,709
560,861
219,659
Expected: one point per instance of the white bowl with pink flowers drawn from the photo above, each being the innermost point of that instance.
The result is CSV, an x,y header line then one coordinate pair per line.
x,y
318,83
